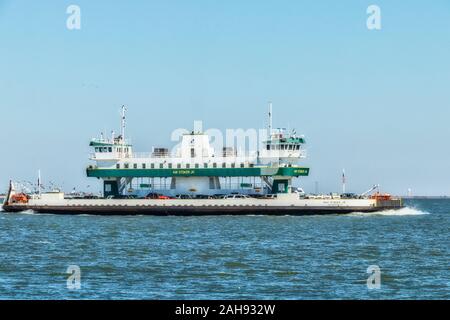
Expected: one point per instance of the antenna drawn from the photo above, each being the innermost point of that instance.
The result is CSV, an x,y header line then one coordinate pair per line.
x,y
123,123
270,119
343,181
39,182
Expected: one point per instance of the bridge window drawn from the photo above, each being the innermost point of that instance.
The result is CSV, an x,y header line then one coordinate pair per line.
x,y
205,165
178,165
197,166
233,165
214,165
161,165
170,166
143,166
152,165
242,165
126,165
224,165
188,165
135,166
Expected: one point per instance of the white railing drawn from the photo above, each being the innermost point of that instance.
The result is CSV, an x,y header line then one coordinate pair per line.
x,y
246,157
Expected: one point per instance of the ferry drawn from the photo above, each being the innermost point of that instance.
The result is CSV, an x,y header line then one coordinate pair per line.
x,y
196,179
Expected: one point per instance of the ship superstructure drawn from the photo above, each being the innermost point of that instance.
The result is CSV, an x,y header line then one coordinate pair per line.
x,y
195,168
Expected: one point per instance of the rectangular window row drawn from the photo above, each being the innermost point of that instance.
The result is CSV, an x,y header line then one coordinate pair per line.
x,y
283,147
179,166
110,149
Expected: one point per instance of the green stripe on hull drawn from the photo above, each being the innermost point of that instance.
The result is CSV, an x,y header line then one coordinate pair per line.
x,y
209,172
293,171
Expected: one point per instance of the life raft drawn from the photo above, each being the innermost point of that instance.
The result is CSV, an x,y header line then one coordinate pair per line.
x,y
379,196
19,198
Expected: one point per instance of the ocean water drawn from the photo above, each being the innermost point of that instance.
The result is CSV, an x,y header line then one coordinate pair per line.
x,y
228,257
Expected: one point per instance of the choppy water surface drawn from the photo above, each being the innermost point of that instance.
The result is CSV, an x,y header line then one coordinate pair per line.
x,y
228,257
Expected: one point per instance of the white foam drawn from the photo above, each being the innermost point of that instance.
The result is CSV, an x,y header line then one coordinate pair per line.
x,y
42,242
407,211
28,212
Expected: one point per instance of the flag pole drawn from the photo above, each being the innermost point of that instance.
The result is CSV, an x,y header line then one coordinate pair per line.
x,y
39,182
343,181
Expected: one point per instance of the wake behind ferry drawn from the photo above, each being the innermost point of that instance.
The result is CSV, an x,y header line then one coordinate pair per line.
x,y
196,179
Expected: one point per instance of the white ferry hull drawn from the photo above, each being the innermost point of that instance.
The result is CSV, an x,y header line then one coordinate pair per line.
x,y
191,207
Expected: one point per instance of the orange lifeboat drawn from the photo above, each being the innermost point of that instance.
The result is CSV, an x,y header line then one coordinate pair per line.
x,y
19,198
379,196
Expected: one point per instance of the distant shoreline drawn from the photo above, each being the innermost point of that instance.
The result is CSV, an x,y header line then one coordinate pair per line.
x,y
425,197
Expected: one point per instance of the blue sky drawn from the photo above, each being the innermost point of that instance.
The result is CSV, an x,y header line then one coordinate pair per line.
x,y
373,102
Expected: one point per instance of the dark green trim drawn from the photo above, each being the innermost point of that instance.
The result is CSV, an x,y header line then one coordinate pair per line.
x,y
286,140
294,140
103,144
209,172
110,188
293,171
280,186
